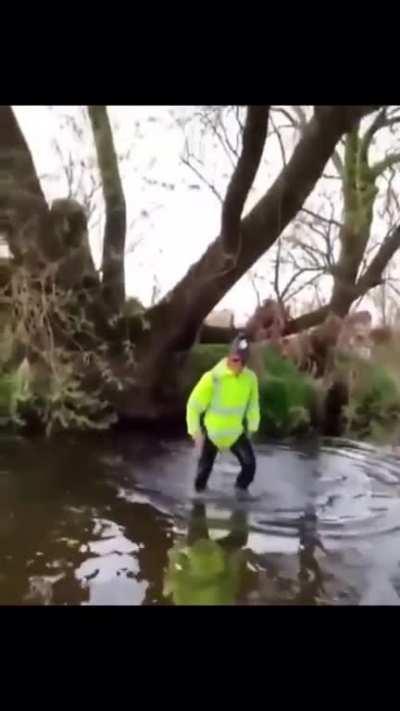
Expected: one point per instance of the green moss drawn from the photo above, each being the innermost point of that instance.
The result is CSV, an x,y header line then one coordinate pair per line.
x,y
14,393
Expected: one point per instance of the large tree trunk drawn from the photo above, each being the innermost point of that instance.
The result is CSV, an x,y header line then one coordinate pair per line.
x,y
115,228
359,193
36,234
16,165
22,202
49,246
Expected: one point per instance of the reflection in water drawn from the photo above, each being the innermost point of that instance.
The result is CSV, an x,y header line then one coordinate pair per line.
x,y
310,574
103,520
66,537
207,571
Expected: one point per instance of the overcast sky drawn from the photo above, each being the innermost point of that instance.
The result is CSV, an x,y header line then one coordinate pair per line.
x,y
174,224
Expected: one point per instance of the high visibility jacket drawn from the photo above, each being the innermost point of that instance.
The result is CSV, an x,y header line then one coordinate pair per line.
x,y
203,574
228,401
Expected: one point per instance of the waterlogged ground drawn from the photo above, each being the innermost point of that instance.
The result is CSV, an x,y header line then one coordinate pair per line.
x,y
110,520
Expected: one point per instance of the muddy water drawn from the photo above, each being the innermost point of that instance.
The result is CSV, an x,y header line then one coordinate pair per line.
x,y
110,520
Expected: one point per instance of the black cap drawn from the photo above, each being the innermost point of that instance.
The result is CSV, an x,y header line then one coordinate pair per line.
x,y
240,347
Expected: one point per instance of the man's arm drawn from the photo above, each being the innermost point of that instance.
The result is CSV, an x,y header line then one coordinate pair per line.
x,y
253,408
198,402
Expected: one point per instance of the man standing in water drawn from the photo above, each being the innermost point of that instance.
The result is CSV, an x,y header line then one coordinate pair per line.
x,y
222,408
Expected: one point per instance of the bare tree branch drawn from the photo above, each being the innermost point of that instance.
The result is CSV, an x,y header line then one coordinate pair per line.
x,y
115,228
276,132
387,162
371,278
328,257
286,295
381,121
390,197
313,318
301,117
300,124
331,177
373,275
215,123
252,280
207,282
277,269
254,137
336,159
377,123
296,292
187,159
312,251
286,114
322,218
233,149
394,288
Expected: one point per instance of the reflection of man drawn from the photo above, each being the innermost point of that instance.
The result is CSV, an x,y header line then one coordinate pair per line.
x,y
206,571
310,575
221,408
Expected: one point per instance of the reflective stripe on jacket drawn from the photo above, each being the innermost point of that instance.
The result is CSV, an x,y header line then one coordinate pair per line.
x,y
227,400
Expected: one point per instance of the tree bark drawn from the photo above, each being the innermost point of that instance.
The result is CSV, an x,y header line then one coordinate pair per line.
x,y
16,165
302,323
22,202
254,136
115,228
373,275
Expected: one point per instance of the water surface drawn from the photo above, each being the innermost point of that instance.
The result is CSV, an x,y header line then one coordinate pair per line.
x,y
110,520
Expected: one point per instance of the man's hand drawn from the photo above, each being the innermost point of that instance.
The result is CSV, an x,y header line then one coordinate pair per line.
x,y
198,440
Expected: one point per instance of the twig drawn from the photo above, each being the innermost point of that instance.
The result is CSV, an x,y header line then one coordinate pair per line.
x,y
276,132
310,282
201,176
320,217
254,137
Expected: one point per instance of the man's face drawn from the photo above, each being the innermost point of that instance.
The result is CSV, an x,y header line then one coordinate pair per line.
x,y
235,364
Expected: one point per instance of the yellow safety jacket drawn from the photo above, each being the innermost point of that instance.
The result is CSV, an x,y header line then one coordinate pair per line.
x,y
204,574
227,400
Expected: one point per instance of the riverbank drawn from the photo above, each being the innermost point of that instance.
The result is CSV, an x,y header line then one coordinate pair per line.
x,y
360,399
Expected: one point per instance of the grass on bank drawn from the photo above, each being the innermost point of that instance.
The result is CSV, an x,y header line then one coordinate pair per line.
x,y
290,401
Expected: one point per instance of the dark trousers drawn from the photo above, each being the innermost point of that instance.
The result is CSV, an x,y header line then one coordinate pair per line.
x,y
242,450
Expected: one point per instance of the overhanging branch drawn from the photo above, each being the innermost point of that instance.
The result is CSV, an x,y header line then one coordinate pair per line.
x,y
115,227
387,162
204,285
381,121
377,123
254,136
371,278
373,275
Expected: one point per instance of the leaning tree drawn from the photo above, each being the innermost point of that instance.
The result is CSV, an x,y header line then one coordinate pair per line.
x,y
53,239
